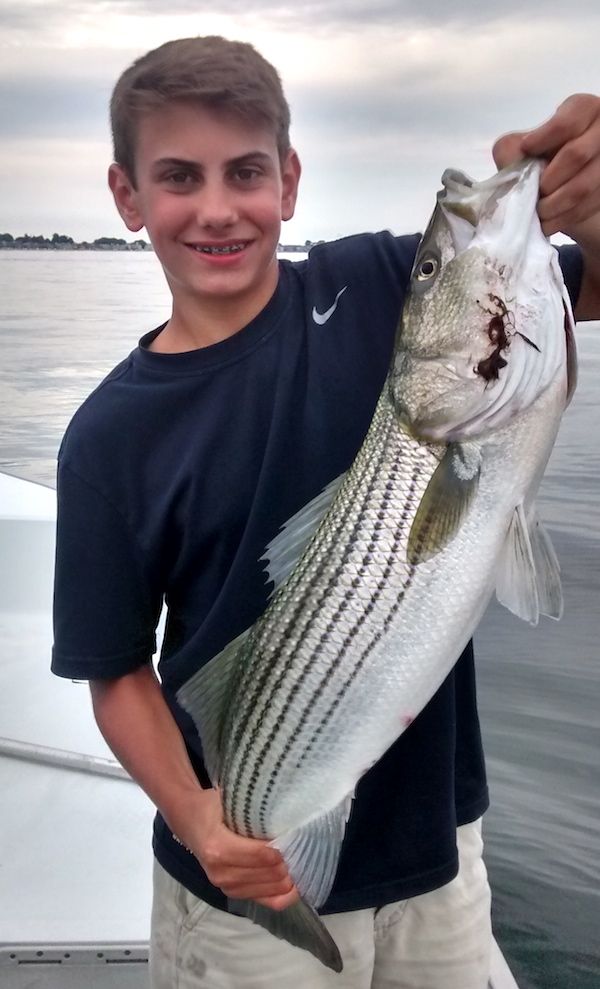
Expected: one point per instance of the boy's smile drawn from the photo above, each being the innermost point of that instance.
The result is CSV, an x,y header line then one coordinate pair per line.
x,y
211,193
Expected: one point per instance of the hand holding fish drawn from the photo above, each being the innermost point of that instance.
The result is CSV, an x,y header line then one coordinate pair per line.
x,y
243,868
570,183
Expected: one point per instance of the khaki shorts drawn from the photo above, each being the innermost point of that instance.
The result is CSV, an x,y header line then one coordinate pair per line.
x,y
440,940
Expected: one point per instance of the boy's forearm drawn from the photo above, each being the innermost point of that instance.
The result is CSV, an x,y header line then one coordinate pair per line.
x,y
137,724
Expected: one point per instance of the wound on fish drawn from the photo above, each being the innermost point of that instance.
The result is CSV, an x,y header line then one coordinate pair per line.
x,y
489,368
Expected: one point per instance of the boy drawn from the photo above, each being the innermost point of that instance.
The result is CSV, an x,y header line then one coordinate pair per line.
x,y
180,468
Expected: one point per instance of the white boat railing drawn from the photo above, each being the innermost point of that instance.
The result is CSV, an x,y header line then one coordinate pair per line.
x,y
45,755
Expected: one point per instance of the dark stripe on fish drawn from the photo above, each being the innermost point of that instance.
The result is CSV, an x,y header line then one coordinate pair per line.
x,y
378,454
336,663
296,628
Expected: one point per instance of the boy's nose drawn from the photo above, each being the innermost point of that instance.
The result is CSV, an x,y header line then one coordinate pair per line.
x,y
216,207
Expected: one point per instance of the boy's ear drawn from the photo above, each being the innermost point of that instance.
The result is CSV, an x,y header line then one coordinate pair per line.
x,y
125,197
290,175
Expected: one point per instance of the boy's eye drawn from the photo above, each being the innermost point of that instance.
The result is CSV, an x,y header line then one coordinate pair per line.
x,y
248,173
179,178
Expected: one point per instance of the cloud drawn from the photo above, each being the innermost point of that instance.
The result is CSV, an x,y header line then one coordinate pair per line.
x,y
35,21
47,21
45,106
326,15
57,92
383,95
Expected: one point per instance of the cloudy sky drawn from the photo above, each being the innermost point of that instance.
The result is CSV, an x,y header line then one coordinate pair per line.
x,y
384,96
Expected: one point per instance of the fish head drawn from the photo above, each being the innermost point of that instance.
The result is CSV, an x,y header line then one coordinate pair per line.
x,y
482,332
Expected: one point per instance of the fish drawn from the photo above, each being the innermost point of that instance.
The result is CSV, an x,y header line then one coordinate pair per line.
x,y
380,582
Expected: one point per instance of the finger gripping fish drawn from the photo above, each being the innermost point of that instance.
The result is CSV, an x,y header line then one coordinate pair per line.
x,y
381,581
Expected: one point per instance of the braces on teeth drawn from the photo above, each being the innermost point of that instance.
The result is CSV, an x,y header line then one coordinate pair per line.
x,y
220,250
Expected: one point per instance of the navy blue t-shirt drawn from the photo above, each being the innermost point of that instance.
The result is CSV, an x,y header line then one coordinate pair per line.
x,y
174,476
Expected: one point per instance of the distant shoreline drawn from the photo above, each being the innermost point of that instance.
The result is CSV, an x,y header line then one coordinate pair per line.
x,y
63,243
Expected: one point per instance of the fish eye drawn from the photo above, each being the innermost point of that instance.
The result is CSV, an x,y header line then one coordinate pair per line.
x,y
427,268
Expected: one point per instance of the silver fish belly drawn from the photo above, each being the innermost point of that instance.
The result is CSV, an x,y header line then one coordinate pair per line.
x,y
381,582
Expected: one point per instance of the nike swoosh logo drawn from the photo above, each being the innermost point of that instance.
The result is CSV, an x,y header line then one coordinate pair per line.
x,y
322,317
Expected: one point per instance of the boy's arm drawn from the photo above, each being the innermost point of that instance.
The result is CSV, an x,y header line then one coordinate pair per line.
x,y
139,728
570,186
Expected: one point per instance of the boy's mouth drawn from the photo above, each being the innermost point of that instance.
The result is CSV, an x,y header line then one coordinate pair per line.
x,y
216,249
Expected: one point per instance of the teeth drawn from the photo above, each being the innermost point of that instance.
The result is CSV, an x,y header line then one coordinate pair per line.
x,y
230,249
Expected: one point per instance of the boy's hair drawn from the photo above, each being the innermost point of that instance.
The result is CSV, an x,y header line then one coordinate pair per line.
x,y
213,71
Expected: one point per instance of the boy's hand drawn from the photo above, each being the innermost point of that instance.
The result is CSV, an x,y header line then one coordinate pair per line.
x,y
243,868
570,184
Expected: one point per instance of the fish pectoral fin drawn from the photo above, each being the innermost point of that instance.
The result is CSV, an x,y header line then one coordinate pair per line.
x,y
206,697
299,925
528,581
312,852
284,551
445,502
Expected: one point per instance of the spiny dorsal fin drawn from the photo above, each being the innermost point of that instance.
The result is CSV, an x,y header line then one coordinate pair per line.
x,y
284,551
445,502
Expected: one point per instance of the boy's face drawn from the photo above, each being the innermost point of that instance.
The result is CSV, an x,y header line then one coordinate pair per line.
x,y
211,193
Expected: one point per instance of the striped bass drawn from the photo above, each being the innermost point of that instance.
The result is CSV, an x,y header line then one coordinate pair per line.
x,y
381,581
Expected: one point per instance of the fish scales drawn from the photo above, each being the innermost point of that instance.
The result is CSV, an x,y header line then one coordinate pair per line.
x,y
292,629
381,581
336,628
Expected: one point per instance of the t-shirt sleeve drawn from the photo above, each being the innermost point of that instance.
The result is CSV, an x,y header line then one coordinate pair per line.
x,y
105,608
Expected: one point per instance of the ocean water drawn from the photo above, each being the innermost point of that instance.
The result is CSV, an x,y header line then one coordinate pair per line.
x,y
66,319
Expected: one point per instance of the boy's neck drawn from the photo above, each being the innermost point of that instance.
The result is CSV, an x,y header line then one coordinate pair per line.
x,y
195,325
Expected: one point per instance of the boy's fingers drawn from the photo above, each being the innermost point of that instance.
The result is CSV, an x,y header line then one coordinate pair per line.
x,y
570,137
573,201
246,868
254,877
260,892
572,119
507,149
570,143
234,849
279,902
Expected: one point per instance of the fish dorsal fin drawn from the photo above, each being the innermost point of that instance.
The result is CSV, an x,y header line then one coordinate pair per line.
x,y
284,551
528,581
206,697
445,502
312,852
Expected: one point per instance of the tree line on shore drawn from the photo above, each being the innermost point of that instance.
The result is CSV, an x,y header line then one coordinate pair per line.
x,y
60,242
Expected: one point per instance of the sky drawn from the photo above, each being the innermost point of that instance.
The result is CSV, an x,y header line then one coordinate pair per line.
x,y
384,96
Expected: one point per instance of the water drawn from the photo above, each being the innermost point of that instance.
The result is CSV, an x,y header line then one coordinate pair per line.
x,y
67,318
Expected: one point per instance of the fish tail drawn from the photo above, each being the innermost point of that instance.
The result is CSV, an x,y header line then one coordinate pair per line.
x,y
298,924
